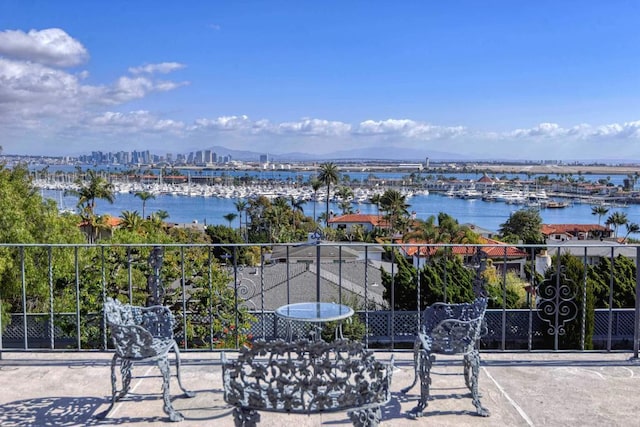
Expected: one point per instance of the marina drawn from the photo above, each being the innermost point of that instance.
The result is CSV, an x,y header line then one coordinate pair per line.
x,y
485,201
211,210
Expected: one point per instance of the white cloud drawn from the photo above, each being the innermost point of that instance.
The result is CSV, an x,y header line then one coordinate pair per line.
x,y
224,123
130,88
29,88
406,128
30,91
162,68
134,121
628,130
51,46
314,127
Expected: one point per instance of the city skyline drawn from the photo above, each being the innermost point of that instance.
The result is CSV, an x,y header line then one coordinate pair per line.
x,y
546,80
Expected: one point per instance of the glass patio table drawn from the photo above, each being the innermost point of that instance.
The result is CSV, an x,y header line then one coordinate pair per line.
x,y
314,312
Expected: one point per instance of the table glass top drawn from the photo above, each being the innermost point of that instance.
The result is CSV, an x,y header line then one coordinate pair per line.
x,y
315,311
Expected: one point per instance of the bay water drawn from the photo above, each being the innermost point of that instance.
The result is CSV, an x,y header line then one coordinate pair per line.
x,y
211,210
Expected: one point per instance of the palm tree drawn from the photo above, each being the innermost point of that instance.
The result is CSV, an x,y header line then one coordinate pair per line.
x,y
328,175
92,188
599,210
394,203
162,214
131,220
315,186
230,217
144,196
375,199
240,205
297,205
617,219
632,227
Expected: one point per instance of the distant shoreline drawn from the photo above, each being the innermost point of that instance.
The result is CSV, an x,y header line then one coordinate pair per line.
x,y
553,169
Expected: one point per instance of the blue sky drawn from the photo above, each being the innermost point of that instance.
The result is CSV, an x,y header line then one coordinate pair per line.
x,y
552,80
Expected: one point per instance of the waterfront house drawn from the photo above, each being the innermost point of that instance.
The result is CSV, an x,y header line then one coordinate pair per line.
x,y
503,257
93,233
366,221
593,251
554,233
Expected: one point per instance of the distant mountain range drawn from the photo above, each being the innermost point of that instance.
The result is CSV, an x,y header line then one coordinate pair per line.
x,y
369,153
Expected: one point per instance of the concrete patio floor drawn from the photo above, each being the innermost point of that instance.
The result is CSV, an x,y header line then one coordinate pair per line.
x,y
520,389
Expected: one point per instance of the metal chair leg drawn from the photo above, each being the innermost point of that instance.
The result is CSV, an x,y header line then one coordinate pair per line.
x,y
187,393
474,360
163,364
426,361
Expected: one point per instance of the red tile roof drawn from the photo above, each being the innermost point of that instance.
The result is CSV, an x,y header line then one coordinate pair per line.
x,y
548,229
491,251
111,221
375,220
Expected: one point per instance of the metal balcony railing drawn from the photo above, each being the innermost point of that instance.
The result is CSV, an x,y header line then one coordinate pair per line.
x,y
223,295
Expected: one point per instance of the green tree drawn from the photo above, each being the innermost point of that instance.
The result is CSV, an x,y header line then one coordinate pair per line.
x,y
26,218
91,188
632,228
241,206
230,217
617,219
396,207
328,176
600,211
144,196
523,225
441,279
131,221
315,186
622,277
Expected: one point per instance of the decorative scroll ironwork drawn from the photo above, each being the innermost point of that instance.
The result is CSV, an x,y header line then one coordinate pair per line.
x,y
556,302
247,289
307,377
142,334
449,329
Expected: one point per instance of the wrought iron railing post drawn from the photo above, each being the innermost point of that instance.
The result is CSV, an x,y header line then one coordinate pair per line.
x,y
610,322
23,279
130,275
52,338
531,295
235,287
636,328
78,332
210,307
366,297
104,298
183,285
503,341
583,332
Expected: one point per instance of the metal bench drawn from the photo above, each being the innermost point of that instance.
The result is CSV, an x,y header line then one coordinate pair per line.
x,y
142,334
307,377
449,329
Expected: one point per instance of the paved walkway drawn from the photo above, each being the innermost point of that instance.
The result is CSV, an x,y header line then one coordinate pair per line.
x,y
520,389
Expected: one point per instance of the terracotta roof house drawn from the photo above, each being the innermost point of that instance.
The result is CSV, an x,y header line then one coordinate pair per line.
x,y
593,251
111,223
504,257
554,233
367,221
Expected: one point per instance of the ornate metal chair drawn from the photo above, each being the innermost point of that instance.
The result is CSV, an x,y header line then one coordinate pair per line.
x,y
142,334
449,329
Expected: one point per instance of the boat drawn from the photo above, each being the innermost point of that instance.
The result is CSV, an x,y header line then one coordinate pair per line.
x,y
552,204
